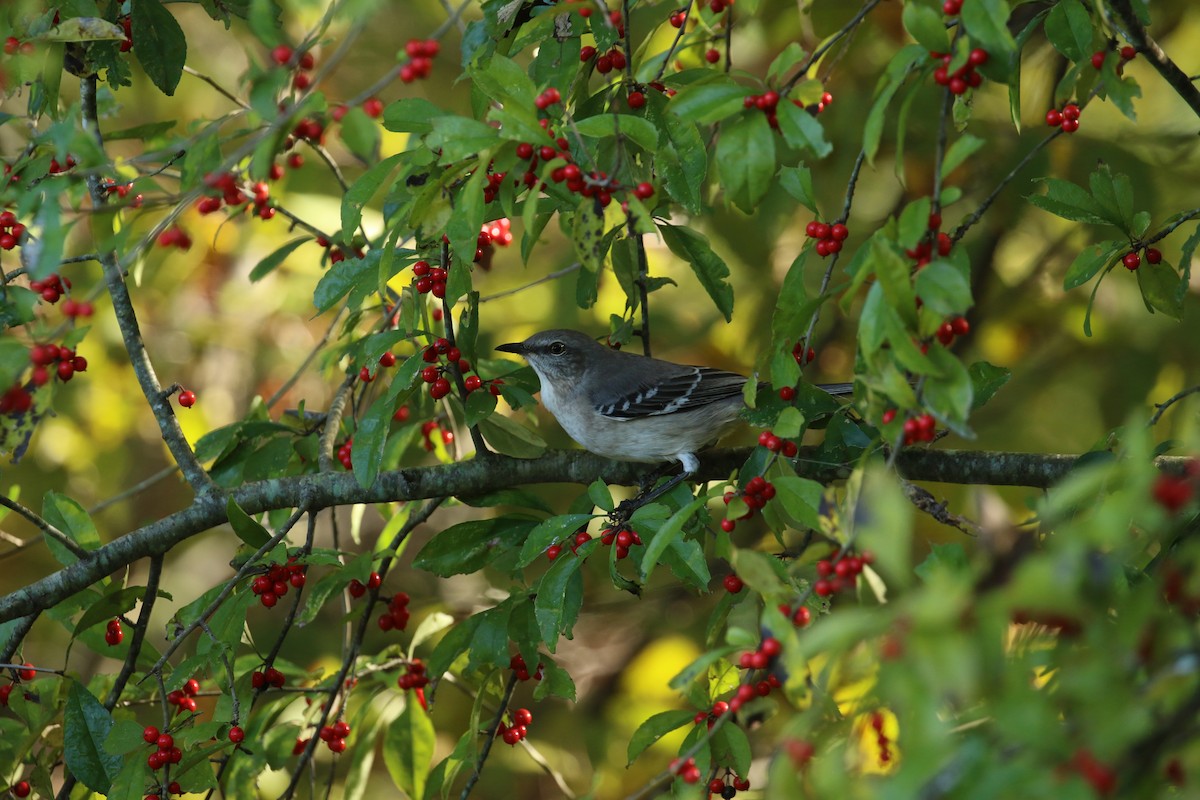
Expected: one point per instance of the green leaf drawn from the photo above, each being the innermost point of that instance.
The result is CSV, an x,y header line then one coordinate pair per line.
x,y
460,138
246,528
801,130
587,234
559,598
962,149
470,546
1091,260
801,499
797,181
1113,193
1160,286
360,134
986,380
746,160
411,115
370,438
685,558
708,101
761,572
86,725
361,191
944,289
987,23
895,75
268,264
1070,29
356,277
115,602
948,393
510,438
731,746
551,531
408,748
1066,200
712,272
914,222
70,518
670,531
654,728
683,163
503,80
641,131
161,46
926,26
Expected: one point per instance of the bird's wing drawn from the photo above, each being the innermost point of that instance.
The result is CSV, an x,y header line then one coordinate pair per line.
x,y
676,389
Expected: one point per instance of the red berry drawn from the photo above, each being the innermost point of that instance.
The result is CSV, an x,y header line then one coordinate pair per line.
x,y
1070,125
164,741
1098,59
373,107
282,54
1128,53
1131,261
636,100
21,789
150,734
1153,255
1071,111
236,734
839,232
733,584
1054,118
712,55
787,393
644,190
187,398
587,53
978,57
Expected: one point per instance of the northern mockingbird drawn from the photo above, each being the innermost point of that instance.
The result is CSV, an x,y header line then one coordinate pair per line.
x,y
631,407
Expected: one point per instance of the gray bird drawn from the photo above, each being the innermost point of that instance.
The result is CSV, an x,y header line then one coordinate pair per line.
x,y
631,407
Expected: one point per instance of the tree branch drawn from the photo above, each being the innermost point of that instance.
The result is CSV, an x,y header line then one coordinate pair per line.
x,y
1145,44
478,476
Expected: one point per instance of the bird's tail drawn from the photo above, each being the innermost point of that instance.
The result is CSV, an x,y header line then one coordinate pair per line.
x,y
837,389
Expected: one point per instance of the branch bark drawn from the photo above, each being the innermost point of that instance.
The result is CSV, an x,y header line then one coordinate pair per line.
x,y
1145,44
481,476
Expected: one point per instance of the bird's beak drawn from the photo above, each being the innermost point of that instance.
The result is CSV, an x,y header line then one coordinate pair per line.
x,y
512,347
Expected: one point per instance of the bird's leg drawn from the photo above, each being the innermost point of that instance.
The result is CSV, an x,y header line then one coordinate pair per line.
x,y
625,510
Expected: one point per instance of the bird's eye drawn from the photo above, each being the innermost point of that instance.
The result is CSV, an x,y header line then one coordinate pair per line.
x,y
557,349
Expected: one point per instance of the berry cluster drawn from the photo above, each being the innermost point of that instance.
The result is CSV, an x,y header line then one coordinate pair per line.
x,y
606,63
274,584
421,53
53,287
916,429
16,400
1127,54
829,237
881,739
372,107
386,361
800,617
396,617
623,538
11,232
229,194
1067,119
45,355
271,677
113,633
175,236
1173,492
185,699
756,494
343,454
963,78
429,280
284,55
776,445
122,190
165,750
719,787
522,718
803,356
428,429
357,588
951,328
334,736
497,233
686,768
521,670
768,649
13,45
414,676
840,574
1132,260
56,168
922,254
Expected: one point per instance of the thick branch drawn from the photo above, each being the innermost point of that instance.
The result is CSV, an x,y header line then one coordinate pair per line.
x,y
477,477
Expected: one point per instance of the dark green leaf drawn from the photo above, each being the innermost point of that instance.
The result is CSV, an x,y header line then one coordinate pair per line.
x,y
470,546
926,26
361,135
666,534
161,46
1091,260
411,115
408,748
944,289
642,132
559,598
551,531
115,602
708,101
962,149
246,528
746,159
86,725
268,264
1066,200
1070,30
986,380
370,438
71,519
987,23
1160,287
656,727
460,138
797,181
712,272
802,130
356,277
361,191
948,393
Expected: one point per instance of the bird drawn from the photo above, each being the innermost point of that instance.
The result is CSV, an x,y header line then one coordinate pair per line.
x,y
631,407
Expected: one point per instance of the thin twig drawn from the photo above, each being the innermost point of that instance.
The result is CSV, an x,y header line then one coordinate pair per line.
x,y
220,89
45,527
548,277
829,43
1162,407
1137,35
489,736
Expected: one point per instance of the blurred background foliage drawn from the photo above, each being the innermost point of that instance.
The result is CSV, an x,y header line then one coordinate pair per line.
x,y
232,340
